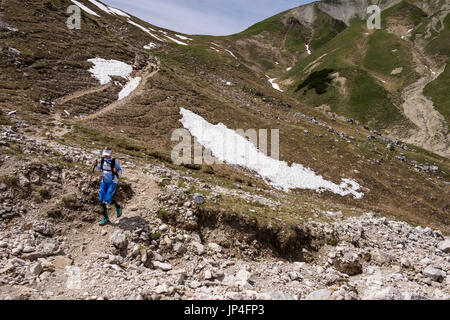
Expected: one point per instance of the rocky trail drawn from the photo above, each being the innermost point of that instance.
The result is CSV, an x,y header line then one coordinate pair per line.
x,y
165,246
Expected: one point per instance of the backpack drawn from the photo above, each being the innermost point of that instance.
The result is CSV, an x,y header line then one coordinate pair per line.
x,y
113,165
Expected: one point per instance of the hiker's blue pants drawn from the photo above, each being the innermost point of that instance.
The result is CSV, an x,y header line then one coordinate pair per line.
x,y
107,191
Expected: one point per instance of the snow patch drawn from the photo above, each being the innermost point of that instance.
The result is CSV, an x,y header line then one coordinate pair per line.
x,y
119,12
129,87
432,72
145,30
231,53
307,49
289,69
8,27
183,37
104,69
274,85
84,8
101,6
230,147
151,46
177,41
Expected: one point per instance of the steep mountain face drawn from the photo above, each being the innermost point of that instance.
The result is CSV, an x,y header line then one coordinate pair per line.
x,y
379,76
346,10
315,73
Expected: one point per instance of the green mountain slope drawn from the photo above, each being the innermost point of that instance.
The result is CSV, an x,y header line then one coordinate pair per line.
x,y
223,79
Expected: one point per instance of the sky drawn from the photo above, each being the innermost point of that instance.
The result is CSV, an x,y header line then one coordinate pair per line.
x,y
207,17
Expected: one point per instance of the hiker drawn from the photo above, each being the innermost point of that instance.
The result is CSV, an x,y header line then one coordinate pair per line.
x,y
111,170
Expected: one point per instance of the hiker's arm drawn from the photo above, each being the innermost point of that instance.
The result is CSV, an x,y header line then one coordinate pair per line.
x,y
98,167
117,167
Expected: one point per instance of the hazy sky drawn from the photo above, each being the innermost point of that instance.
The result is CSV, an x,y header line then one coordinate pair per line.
x,y
212,17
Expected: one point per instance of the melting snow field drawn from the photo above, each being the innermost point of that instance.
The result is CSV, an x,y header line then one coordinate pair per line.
x,y
100,6
119,12
230,147
145,30
307,49
183,37
232,54
104,69
274,85
177,41
129,87
151,46
84,8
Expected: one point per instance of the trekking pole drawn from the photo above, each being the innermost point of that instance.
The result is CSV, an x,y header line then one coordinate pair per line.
x,y
92,173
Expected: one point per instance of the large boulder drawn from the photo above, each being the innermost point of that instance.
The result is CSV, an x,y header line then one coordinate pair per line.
x,y
215,247
444,245
348,263
277,296
162,266
200,249
119,240
323,294
179,248
243,277
45,229
36,269
199,199
433,273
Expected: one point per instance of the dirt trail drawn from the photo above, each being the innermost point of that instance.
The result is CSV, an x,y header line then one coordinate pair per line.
x,y
93,240
136,212
149,71
432,129
82,93
145,75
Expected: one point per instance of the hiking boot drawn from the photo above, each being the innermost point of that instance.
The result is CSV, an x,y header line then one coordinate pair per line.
x,y
118,211
104,222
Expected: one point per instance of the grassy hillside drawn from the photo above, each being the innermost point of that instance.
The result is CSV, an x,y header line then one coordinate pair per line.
x,y
439,44
271,25
385,53
225,89
360,95
373,67
279,42
439,92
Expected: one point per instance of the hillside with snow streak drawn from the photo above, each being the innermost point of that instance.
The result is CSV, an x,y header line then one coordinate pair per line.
x,y
103,69
230,147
